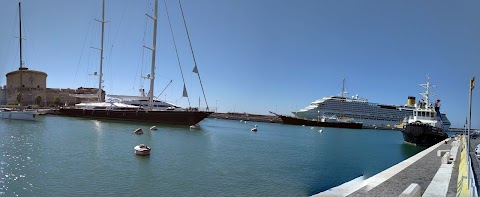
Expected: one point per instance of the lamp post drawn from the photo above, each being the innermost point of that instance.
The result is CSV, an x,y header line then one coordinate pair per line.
x,y
472,85
216,108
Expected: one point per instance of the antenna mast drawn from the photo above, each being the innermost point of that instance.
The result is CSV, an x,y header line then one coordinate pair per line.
x,y
427,93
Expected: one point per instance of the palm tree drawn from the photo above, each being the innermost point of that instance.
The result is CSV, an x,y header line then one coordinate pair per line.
x,y
19,98
38,99
56,101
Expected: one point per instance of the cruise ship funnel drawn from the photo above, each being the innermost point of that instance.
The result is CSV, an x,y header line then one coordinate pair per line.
x,y
411,101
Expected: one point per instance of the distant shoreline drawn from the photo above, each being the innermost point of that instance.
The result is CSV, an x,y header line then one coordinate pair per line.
x,y
246,117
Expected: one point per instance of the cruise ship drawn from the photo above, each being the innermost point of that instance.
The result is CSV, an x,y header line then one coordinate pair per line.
x,y
370,114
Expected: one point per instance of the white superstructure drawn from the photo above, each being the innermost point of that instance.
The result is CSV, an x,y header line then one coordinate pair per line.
x,y
6,113
424,112
143,102
359,109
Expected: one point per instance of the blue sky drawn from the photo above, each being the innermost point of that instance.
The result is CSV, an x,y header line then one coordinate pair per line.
x,y
258,56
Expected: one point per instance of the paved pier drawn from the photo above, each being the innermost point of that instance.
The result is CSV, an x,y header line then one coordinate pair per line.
x,y
421,169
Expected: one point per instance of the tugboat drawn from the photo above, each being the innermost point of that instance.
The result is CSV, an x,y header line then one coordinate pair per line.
x,y
424,127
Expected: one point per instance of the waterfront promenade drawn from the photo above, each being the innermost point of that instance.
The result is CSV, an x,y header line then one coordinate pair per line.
x,y
434,175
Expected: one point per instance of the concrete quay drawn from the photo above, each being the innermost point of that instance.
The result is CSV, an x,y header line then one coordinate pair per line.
x,y
432,172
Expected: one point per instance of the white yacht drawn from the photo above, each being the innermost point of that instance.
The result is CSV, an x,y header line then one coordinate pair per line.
x,y
7,113
361,110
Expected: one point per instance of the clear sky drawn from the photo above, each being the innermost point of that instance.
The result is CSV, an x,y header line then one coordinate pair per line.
x,y
257,56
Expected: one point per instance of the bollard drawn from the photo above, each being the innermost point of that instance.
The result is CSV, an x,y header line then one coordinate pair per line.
x,y
413,190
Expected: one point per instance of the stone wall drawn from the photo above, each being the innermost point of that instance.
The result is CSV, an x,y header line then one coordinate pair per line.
x,y
30,84
47,95
28,95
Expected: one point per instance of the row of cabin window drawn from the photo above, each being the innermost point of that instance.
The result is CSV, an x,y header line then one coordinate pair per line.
x,y
424,114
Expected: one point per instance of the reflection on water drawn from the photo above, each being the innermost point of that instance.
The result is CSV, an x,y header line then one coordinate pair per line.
x,y
409,150
60,156
19,158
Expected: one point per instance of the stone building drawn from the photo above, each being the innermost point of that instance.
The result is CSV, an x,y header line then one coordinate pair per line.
x,y
29,87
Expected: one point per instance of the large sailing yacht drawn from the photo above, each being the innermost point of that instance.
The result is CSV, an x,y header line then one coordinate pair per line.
x,y
121,111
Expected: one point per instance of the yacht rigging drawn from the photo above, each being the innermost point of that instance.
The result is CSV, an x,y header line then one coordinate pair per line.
x,y
130,112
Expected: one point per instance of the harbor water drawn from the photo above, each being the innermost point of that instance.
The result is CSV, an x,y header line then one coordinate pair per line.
x,y
62,156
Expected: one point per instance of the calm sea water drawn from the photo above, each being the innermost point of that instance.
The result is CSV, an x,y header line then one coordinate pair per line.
x,y
61,156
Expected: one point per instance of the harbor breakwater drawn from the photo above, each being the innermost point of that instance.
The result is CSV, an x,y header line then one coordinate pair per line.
x,y
246,117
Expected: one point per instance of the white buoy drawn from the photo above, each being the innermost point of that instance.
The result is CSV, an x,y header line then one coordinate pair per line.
x,y
153,128
254,129
142,149
320,131
245,122
138,131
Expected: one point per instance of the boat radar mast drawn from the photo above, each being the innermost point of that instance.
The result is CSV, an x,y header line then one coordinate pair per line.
x,y
427,93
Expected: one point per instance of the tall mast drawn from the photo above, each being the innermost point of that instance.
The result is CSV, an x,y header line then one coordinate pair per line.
x,y
20,32
152,71
20,26
100,99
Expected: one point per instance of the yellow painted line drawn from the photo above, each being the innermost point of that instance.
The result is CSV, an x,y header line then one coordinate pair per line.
x,y
462,186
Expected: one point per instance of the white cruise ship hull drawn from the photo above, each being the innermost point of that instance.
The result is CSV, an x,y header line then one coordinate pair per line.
x,y
360,110
19,115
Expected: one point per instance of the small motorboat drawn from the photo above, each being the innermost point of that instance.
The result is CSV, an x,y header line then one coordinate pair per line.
x,y
153,128
142,149
138,131
254,129
193,127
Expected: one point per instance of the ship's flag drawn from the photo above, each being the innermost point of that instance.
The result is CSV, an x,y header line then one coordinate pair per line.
x,y
195,69
184,91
